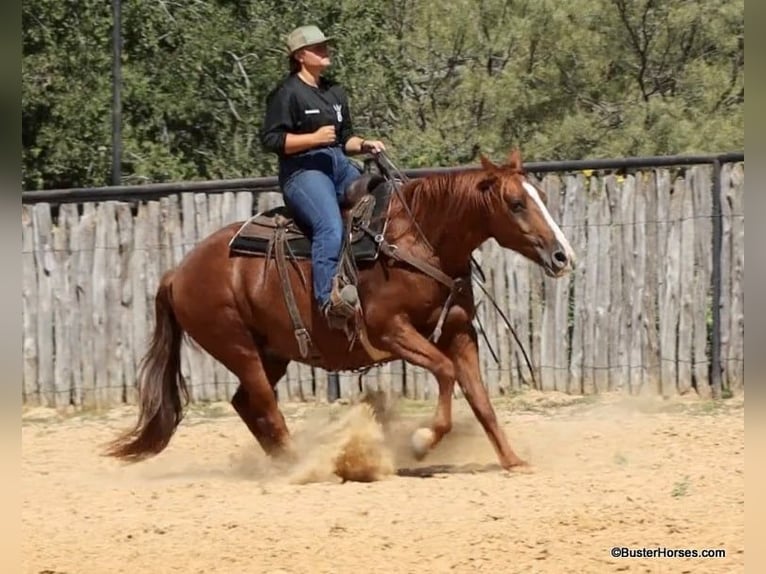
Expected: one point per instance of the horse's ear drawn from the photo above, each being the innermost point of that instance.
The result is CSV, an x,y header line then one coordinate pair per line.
x,y
514,159
487,164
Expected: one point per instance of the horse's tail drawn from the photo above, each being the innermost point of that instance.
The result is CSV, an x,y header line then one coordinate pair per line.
x,y
161,386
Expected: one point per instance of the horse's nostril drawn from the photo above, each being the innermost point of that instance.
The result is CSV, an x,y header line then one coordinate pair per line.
x,y
560,257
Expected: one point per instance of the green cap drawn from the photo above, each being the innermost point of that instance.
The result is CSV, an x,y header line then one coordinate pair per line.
x,y
305,36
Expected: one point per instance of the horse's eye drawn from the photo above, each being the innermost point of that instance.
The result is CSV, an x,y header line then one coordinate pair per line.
x,y
516,205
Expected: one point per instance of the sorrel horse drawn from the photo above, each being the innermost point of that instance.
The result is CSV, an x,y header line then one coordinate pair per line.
x,y
230,305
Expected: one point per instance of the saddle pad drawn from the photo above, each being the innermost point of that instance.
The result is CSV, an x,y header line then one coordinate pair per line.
x,y
254,236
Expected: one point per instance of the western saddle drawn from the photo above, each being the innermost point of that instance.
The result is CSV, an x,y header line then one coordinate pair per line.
x,y
275,233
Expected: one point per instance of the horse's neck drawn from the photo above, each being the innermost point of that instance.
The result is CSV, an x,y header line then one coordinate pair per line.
x,y
455,247
452,234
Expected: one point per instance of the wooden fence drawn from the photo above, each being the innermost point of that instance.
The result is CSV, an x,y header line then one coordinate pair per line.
x,y
635,315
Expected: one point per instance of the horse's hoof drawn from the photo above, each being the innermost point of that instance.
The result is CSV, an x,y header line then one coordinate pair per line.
x,y
421,442
285,455
520,468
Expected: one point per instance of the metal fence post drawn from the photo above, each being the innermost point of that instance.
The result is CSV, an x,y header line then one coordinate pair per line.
x,y
715,344
333,387
116,96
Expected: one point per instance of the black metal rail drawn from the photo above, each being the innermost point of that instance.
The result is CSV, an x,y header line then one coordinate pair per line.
x,y
151,191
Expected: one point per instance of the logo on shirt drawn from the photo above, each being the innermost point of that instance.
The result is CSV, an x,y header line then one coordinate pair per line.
x,y
307,112
338,114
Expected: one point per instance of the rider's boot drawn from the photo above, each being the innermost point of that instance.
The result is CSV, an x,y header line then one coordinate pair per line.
x,y
343,301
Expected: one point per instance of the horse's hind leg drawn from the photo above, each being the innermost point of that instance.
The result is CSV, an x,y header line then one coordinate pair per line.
x,y
256,404
231,343
261,414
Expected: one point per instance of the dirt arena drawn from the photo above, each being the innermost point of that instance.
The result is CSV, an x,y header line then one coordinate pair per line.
x,y
608,471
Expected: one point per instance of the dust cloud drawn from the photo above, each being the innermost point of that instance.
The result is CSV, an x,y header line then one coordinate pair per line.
x,y
338,445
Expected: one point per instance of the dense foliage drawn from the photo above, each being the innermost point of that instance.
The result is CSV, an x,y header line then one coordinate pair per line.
x,y
438,80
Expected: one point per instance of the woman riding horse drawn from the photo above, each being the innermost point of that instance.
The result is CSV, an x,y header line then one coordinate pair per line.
x,y
308,125
232,307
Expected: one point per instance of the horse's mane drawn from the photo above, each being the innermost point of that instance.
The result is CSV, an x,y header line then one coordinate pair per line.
x,y
442,200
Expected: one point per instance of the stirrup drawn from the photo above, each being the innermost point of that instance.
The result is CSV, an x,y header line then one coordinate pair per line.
x,y
339,308
342,305
349,295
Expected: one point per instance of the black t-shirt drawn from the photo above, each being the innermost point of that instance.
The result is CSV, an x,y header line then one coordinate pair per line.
x,y
296,107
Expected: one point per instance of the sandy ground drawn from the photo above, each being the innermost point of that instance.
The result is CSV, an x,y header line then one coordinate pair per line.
x,y
608,472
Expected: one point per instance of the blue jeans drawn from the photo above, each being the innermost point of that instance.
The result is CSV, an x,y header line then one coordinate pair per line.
x,y
313,185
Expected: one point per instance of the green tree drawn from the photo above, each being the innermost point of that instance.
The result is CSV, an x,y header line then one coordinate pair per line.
x,y
440,82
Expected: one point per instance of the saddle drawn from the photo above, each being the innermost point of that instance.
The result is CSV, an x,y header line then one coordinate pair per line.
x,y
366,203
275,233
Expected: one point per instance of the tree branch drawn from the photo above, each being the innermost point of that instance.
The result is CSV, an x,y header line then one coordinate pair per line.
x,y
640,50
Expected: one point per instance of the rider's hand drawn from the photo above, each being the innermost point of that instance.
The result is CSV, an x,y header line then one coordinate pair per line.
x,y
325,135
373,146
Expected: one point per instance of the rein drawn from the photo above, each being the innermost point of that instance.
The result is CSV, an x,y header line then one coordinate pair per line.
x,y
456,286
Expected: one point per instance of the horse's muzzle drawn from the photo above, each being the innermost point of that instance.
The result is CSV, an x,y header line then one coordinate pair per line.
x,y
557,262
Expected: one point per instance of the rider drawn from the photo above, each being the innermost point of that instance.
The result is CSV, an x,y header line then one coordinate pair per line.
x,y
308,125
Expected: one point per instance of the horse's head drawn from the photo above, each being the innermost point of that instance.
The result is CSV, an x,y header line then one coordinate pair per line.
x,y
518,218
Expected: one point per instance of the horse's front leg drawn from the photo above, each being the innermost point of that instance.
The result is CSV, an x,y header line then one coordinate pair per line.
x,y
406,342
464,351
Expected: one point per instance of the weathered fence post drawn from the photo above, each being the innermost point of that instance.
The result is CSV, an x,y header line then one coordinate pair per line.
x,y
715,350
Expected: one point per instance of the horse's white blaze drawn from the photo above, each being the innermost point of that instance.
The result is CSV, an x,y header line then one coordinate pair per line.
x,y
557,233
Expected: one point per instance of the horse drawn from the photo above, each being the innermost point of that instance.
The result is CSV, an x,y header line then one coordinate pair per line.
x,y
418,283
